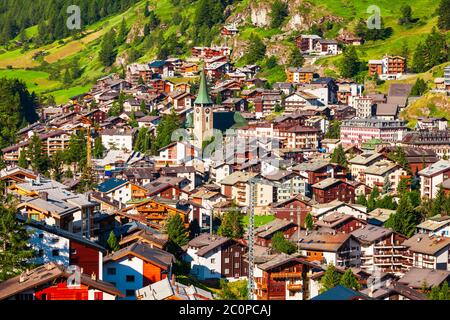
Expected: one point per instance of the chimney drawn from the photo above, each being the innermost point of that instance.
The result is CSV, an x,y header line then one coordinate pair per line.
x,y
43,195
419,239
22,278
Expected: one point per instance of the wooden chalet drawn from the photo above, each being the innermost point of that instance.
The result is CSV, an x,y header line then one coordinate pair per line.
x,y
151,213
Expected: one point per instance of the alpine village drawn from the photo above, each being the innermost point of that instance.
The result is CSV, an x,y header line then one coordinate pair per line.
x,y
224,150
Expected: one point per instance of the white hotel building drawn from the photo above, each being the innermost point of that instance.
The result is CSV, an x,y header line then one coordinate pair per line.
x,y
355,132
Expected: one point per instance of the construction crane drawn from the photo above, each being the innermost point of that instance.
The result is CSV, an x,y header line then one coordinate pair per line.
x,y
251,230
88,122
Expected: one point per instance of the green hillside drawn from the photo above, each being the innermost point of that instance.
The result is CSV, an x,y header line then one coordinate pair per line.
x,y
85,49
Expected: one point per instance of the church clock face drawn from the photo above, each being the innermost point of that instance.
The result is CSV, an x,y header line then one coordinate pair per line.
x,y
208,111
197,110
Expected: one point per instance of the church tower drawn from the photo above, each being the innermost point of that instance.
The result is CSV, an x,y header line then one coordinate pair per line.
x,y
203,114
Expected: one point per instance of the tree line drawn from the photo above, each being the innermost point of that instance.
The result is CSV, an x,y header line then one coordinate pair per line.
x,y
50,16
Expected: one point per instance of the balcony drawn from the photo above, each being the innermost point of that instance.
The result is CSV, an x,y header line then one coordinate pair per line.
x,y
283,275
295,287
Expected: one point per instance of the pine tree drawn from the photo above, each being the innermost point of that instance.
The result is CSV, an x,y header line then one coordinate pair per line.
x,y
107,53
334,130
330,279
296,59
67,78
38,159
338,156
280,244
56,164
143,107
176,231
420,59
444,15
123,32
443,294
404,220
406,15
309,222
142,143
98,150
419,88
373,197
349,280
112,241
387,185
15,252
231,225
257,49
438,202
403,186
169,123
361,200
23,162
350,64
279,11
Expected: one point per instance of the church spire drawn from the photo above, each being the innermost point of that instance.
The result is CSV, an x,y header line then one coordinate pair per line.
x,y
203,97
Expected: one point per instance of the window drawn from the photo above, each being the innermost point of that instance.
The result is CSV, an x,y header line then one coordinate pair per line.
x,y
236,265
111,271
55,252
130,293
227,271
227,260
130,278
213,260
40,253
98,295
73,251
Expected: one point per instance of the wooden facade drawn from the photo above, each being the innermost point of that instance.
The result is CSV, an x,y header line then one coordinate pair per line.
x,y
283,282
341,191
152,213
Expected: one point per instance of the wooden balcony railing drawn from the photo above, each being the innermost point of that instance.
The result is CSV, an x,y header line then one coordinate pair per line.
x,y
282,275
295,287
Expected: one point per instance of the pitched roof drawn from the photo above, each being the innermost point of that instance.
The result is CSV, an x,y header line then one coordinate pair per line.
x,y
203,95
341,293
381,167
280,259
435,168
110,185
435,223
320,241
63,233
400,89
333,220
46,274
370,233
387,109
143,251
166,288
206,242
417,277
270,228
365,158
425,244
238,176
326,183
